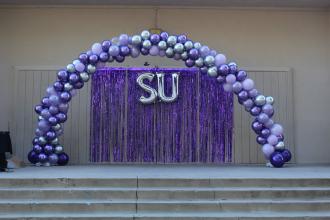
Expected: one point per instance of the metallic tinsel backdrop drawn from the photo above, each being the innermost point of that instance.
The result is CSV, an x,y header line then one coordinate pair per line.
x,y
197,128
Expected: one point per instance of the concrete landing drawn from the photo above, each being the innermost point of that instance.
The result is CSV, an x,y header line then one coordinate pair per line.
x,y
170,171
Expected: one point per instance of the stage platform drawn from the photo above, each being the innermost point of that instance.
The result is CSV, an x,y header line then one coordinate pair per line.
x,y
166,192
170,171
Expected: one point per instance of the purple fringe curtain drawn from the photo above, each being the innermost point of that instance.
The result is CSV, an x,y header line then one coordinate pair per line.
x,y
197,128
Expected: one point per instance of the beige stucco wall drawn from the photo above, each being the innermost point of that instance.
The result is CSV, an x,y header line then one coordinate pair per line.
x,y
252,37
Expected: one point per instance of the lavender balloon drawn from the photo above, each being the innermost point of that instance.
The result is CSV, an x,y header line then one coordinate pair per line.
x,y
267,149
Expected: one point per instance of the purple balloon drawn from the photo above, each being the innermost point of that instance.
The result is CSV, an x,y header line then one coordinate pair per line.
x,y
42,158
92,59
63,159
77,85
286,155
61,117
35,141
257,126
53,158
265,132
104,57
154,38
248,84
243,95
255,110
193,54
58,86
63,107
119,59
39,132
50,135
65,97
182,39
63,76
53,110
124,51
144,51
241,75
106,45
73,78
276,159
38,109
33,157
83,57
223,70
263,118
261,140
48,149
233,69
52,121
45,102
269,123
203,70
221,79
37,149
164,36
190,63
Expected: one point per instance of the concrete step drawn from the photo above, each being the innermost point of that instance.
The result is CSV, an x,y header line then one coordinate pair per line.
x,y
133,206
164,182
266,215
170,193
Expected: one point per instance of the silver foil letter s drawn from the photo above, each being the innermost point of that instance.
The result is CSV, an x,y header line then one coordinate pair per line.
x,y
153,93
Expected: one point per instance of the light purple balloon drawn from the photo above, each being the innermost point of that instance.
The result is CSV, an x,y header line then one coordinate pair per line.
x,y
97,48
54,100
268,149
154,51
248,84
253,93
50,90
204,51
248,103
63,107
123,39
231,78
269,123
45,113
162,53
43,126
114,50
263,118
268,109
220,59
80,67
277,129
53,158
272,139
228,87
176,56
237,87
135,52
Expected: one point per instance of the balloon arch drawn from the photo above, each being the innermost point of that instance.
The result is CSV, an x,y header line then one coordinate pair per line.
x,y
54,106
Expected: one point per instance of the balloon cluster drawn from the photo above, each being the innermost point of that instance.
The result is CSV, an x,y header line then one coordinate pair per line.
x,y
54,106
